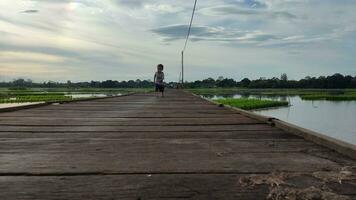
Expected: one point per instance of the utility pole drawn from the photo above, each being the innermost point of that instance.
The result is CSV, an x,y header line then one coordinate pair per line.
x,y
182,68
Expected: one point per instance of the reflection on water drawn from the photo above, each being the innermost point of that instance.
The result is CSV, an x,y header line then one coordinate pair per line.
x,y
10,105
237,96
76,96
333,118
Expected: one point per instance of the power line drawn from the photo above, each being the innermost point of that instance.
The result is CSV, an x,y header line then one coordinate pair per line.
x,y
190,25
186,40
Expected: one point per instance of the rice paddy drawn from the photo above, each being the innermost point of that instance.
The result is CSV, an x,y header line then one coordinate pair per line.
x,y
35,98
29,95
251,104
304,94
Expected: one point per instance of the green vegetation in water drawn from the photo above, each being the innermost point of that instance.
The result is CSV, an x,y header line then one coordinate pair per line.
x,y
305,94
16,94
272,92
99,90
35,98
74,90
21,95
250,104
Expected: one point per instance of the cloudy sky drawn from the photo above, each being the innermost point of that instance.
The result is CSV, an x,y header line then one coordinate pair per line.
x,y
83,40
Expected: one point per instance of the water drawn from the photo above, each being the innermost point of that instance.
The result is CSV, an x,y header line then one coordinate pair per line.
x,y
10,105
74,96
336,119
77,96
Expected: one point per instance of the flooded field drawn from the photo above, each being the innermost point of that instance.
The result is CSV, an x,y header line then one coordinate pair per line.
x,y
10,105
68,97
333,118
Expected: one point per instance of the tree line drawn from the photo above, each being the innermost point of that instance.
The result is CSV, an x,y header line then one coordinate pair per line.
x,y
22,83
322,82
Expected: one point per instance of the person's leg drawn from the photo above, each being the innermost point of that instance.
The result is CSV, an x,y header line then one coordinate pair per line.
x,y
156,90
162,90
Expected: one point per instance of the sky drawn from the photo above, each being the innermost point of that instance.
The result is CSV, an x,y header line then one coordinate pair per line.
x,y
84,40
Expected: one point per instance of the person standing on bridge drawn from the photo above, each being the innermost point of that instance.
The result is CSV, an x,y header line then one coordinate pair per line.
x,y
158,79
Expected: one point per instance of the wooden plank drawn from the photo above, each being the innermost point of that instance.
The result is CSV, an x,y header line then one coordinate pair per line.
x,y
86,128
111,146
128,187
170,160
127,114
149,186
129,105
127,121
120,111
236,135
236,118
136,102
136,108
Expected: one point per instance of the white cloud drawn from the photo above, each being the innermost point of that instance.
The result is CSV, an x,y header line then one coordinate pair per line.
x,y
165,8
121,39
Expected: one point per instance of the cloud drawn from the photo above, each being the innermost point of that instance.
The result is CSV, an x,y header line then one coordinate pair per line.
x,y
99,39
208,33
89,57
237,37
248,3
6,33
39,25
163,8
33,71
30,11
233,10
130,3
303,40
14,56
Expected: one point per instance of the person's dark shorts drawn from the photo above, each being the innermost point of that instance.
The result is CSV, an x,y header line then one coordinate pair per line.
x,y
159,87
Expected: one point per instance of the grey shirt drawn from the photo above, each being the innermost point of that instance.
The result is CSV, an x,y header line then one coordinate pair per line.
x,y
159,77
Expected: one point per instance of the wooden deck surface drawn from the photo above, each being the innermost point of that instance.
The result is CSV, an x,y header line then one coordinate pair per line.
x,y
143,147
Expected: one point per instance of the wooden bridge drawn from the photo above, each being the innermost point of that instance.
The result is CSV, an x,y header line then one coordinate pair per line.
x,y
178,147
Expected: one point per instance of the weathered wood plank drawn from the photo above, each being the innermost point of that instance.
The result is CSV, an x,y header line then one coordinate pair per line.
x,y
127,121
135,110
136,102
130,106
170,160
111,146
86,128
128,187
237,118
236,135
148,186
124,114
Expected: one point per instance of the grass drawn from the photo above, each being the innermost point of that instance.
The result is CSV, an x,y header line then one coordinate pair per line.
x,y
16,94
51,94
270,91
21,95
75,90
251,104
35,98
99,90
305,94
248,91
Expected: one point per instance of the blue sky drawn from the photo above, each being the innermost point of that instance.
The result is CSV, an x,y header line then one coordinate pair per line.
x,y
83,40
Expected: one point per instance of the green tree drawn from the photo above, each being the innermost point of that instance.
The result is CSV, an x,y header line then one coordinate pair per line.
x,y
284,77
